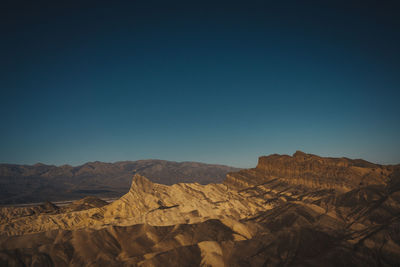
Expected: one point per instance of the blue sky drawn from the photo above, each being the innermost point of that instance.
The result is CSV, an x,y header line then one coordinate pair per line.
x,y
215,82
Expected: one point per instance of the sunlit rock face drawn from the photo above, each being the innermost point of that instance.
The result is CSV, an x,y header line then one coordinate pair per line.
x,y
288,211
312,171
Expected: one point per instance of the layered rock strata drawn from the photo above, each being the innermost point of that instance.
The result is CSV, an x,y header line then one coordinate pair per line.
x,y
312,171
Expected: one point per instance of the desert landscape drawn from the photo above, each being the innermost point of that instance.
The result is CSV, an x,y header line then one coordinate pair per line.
x,y
200,133
299,210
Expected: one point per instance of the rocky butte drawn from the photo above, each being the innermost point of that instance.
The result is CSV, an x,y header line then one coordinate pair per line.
x,y
300,210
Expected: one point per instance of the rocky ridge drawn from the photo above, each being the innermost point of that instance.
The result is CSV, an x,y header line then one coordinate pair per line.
x,y
312,171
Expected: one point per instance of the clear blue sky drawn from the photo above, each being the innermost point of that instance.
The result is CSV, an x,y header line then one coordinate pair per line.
x,y
210,81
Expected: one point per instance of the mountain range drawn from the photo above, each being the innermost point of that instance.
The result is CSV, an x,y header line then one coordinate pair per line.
x,y
40,182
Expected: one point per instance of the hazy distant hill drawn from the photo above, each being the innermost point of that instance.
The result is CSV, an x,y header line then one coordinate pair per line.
x,y
40,182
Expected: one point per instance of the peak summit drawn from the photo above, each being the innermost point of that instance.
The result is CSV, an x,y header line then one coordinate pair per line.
x,y
299,153
140,182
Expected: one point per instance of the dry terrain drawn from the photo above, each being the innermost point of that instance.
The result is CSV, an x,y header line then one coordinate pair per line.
x,y
300,210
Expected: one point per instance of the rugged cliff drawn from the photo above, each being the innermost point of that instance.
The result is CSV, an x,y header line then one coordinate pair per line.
x,y
312,171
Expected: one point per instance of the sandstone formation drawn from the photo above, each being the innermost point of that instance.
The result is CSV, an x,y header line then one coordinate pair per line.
x,y
312,171
300,210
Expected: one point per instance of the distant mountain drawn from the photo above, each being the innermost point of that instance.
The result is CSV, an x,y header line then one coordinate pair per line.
x,y
40,182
